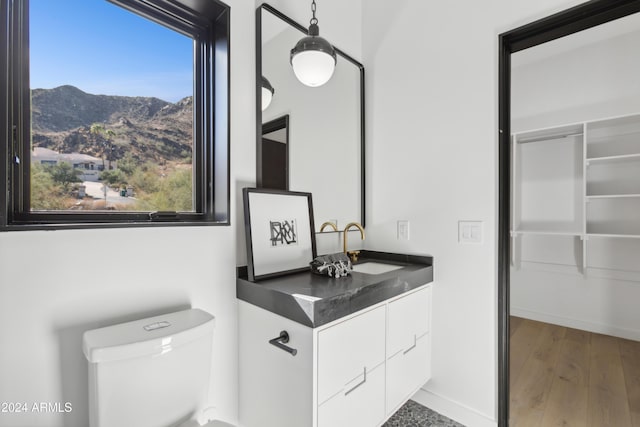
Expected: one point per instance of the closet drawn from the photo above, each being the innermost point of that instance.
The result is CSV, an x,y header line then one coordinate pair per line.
x,y
576,198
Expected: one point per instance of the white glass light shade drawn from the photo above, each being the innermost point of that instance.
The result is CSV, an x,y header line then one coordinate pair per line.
x,y
267,96
267,93
313,67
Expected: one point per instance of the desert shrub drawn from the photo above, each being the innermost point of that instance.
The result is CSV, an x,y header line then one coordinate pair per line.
x,y
145,178
174,192
46,194
115,176
128,164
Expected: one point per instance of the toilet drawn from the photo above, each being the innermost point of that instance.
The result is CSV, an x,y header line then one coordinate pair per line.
x,y
152,372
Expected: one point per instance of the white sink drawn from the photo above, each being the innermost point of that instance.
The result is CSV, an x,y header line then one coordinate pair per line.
x,y
371,267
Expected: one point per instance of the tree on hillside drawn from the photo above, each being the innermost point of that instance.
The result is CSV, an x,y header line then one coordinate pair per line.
x,y
128,164
104,137
114,177
64,174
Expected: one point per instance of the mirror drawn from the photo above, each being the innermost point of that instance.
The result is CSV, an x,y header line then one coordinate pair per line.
x,y
309,139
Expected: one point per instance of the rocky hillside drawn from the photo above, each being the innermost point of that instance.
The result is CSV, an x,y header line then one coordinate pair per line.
x,y
149,128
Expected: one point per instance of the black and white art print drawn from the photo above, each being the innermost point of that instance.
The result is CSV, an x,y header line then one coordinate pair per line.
x,y
280,232
283,232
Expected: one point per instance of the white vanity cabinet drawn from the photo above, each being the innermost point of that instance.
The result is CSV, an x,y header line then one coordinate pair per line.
x,y
408,346
353,372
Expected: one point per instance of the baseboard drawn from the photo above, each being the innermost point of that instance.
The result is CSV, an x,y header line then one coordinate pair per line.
x,y
598,328
454,410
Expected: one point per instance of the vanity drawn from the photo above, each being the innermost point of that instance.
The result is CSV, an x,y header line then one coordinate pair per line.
x,y
316,351
323,352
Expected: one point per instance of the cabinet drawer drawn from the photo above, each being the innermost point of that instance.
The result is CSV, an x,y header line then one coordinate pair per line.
x,y
347,348
408,320
407,371
360,405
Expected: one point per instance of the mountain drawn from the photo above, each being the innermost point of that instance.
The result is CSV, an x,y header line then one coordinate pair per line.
x,y
149,128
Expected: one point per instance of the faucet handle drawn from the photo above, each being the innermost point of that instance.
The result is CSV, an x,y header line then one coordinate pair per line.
x,y
353,255
328,224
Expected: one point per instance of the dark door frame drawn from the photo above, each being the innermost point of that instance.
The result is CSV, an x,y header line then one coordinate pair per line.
x,y
272,126
581,17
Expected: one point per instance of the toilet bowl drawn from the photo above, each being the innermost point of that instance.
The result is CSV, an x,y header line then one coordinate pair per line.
x,y
161,363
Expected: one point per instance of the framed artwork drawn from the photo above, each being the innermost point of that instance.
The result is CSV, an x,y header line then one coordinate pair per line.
x,y
279,230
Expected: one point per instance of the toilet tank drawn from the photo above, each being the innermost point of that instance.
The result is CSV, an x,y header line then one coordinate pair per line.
x,y
152,372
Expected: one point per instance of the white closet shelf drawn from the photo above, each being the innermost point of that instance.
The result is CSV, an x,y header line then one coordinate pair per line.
x,y
549,134
612,196
515,233
546,233
614,159
621,236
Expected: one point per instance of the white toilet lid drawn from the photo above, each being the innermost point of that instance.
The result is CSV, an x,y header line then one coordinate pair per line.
x,y
216,423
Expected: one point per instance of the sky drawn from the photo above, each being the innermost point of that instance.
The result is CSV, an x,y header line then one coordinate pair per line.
x,y
103,49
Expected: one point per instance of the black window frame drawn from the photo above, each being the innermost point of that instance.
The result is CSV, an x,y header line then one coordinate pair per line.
x,y
208,23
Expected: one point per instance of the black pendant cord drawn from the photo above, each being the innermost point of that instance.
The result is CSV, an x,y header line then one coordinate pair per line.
x,y
314,20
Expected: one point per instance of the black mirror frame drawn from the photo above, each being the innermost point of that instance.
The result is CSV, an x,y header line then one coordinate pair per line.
x,y
302,29
573,20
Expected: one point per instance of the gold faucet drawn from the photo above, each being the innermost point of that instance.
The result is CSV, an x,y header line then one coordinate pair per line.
x,y
328,224
352,254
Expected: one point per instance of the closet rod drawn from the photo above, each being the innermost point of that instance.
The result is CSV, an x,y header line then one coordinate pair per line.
x,y
549,137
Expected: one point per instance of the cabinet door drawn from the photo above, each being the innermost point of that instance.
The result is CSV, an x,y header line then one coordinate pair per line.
x,y
407,372
276,388
408,320
360,405
408,347
346,349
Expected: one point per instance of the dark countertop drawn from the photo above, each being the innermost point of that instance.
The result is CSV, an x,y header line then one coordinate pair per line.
x,y
315,300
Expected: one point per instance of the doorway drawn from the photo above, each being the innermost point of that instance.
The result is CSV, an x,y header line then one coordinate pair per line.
x,y
273,155
588,15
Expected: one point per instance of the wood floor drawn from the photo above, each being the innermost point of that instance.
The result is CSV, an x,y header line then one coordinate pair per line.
x,y
566,377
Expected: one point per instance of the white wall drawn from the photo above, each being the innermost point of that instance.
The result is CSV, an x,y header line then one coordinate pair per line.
x,y
55,285
340,22
594,81
590,82
432,98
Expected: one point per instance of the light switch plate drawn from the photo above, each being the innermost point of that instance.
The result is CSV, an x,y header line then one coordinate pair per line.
x,y
403,229
469,231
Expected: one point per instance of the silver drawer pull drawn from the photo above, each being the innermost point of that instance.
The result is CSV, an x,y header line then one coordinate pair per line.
x,y
415,343
364,380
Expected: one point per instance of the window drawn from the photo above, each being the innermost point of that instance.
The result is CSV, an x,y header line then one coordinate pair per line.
x,y
115,113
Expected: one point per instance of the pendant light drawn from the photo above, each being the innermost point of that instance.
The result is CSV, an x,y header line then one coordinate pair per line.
x,y
267,93
313,58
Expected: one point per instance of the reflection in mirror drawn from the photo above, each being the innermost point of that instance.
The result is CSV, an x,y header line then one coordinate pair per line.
x,y
324,148
273,169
